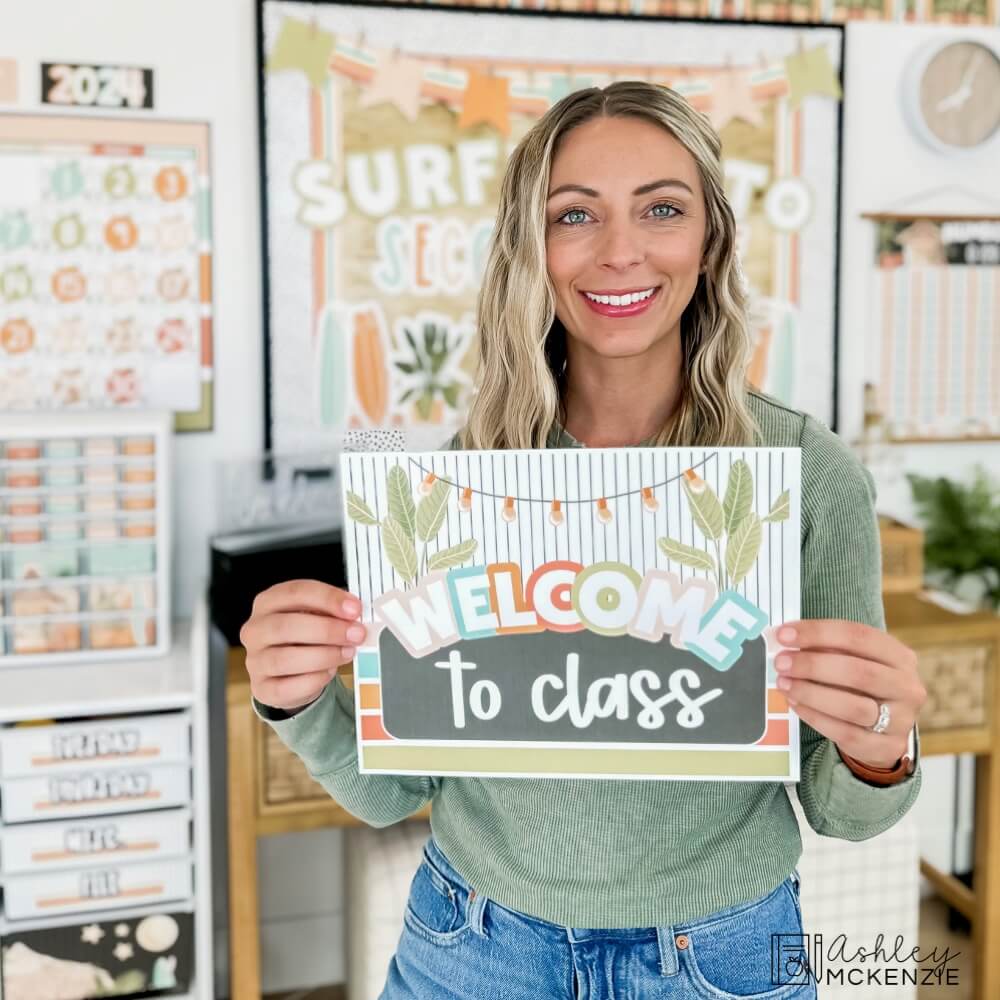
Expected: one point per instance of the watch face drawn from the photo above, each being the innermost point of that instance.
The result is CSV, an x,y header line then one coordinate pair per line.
x,y
960,94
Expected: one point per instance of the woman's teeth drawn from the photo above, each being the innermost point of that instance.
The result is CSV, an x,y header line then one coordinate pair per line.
x,y
620,300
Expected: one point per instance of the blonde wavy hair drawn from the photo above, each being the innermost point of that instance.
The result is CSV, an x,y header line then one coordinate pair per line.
x,y
522,369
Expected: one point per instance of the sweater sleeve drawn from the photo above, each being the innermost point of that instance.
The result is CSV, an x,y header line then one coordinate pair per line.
x,y
323,734
841,579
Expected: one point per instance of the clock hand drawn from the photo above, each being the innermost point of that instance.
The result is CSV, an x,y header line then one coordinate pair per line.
x,y
955,100
972,68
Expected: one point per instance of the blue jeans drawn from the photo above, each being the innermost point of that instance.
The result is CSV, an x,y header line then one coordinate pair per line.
x,y
458,945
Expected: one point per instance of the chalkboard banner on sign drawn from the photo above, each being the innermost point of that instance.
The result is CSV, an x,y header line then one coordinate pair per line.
x,y
574,612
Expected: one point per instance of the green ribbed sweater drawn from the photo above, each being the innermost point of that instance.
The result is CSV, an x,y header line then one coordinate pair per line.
x,y
607,853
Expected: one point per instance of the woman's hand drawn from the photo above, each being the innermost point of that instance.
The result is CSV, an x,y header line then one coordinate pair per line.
x,y
836,676
298,634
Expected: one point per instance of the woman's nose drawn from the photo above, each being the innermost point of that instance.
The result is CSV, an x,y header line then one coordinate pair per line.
x,y
620,246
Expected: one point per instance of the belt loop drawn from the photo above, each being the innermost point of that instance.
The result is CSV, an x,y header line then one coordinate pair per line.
x,y
669,962
476,912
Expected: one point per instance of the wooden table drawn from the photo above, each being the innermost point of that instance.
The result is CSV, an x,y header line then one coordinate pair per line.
x,y
943,640
269,792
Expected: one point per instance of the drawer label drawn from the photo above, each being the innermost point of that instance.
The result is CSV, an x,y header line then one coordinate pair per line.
x,y
100,787
87,746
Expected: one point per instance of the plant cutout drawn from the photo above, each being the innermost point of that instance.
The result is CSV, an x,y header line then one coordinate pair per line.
x,y
407,523
427,367
731,521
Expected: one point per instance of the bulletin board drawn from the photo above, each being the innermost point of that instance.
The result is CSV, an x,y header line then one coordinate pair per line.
x,y
105,266
385,130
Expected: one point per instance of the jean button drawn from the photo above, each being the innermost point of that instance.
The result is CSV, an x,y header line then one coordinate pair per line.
x,y
681,941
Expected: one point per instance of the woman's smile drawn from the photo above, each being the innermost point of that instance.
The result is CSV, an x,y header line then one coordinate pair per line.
x,y
621,303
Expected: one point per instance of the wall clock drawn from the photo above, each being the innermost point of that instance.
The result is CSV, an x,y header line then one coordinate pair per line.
x,y
951,93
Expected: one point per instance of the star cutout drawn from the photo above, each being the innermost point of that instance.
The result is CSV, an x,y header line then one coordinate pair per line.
x,y
123,951
397,80
91,934
122,930
731,98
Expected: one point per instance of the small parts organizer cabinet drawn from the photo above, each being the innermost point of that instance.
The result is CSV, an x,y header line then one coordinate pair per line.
x,y
84,522
103,832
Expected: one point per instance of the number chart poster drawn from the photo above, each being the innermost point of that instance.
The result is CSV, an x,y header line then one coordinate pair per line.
x,y
386,133
105,266
935,356
574,612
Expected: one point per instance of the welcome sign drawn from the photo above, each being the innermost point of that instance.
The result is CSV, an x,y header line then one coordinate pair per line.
x,y
574,612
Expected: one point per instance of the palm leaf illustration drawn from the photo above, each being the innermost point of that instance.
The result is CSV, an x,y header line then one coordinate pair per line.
x,y
779,509
401,508
742,548
358,510
739,494
432,509
453,556
686,555
705,507
400,549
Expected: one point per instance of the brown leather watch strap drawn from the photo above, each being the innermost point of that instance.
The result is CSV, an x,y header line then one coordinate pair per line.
x,y
878,775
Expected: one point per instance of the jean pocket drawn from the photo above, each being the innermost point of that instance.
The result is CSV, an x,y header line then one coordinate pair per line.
x,y
741,952
437,908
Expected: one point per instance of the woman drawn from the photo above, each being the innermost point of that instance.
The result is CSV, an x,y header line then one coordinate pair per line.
x,y
593,888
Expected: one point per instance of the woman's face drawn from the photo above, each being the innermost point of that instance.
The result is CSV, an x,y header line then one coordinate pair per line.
x,y
625,214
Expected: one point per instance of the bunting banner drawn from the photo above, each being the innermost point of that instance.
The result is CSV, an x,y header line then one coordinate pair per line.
x,y
382,173
574,612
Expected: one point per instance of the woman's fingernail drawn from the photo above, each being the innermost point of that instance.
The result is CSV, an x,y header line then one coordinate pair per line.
x,y
787,634
351,606
783,662
348,653
356,633
784,683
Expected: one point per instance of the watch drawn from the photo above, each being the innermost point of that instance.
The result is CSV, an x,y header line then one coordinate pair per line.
x,y
882,776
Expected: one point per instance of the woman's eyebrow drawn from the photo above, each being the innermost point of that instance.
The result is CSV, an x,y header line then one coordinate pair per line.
x,y
642,189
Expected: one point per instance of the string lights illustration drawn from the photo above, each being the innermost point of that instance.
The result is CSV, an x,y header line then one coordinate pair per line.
x,y
557,516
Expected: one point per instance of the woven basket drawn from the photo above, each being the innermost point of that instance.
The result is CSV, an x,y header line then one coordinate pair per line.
x,y
956,680
902,556
285,776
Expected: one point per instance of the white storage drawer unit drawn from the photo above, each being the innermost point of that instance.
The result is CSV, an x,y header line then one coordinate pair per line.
x,y
95,793
43,847
43,750
103,887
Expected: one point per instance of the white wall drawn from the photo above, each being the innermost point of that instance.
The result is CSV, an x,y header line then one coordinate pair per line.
x,y
203,56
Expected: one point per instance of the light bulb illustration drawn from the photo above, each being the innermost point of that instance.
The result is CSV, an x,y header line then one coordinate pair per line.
x,y
604,514
649,502
556,515
695,482
509,514
428,483
465,500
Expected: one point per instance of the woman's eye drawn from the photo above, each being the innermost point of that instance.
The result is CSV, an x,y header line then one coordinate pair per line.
x,y
569,212
672,210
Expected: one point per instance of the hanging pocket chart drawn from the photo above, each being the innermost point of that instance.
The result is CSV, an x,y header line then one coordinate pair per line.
x,y
574,612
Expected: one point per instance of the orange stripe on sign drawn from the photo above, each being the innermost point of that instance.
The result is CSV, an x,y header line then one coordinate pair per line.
x,y
776,735
371,695
372,728
205,277
776,702
206,342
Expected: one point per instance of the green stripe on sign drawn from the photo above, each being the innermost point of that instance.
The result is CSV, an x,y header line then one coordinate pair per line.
x,y
582,760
